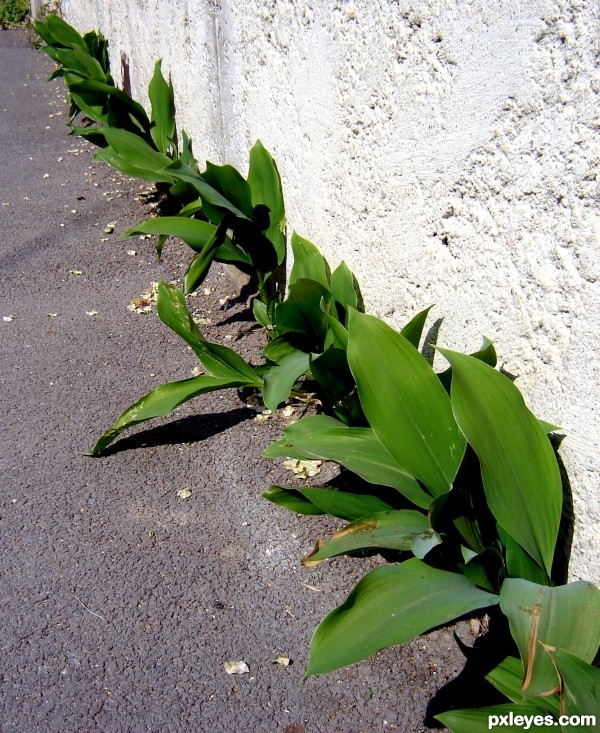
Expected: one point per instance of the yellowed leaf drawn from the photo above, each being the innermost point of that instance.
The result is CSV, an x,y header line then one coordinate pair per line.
x,y
236,667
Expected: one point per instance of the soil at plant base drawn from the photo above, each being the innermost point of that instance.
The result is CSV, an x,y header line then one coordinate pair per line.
x,y
120,600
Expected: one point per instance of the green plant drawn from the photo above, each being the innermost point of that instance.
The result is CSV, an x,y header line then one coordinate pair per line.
x,y
303,327
476,500
241,220
458,478
13,12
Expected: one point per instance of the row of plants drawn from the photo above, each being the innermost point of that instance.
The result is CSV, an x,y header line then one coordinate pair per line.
x,y
448,474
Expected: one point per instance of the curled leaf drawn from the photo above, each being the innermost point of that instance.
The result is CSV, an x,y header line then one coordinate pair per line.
x,y
236,667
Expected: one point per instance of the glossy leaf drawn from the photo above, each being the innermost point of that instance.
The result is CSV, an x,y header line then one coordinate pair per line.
x,y
338,332
193,232
519,564
309,263
227,181
210,195
280,379
405,403
288,497
393,530
342,504
342,286
479,719
162,117
63,33
123,163
519,469
507,678
580,693
159,402
137,152
485,569
265,187
216,359
486,353
332,373
413,330
301,314
97,92
357,449
390,605
199,267
567,617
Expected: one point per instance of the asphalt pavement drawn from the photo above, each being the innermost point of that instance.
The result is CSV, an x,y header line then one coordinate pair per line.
x,y
120,601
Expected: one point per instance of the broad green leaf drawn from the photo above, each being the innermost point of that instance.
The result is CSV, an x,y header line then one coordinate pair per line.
x,y
63,33
507,678
137,152
422,544
405,403
219,360
478,720
519,469
162,117
96,91
198,268
390,605
358,450
301,314
194,207
519,564
92,105
194,233
392,530
229,252
414,328
339,333
333,375
209,194
567,617
187,156
123,163
304,426
280,378
159,402
486,353
342,504
227,181
580,688
309,263
265,187
260,313
548,427
485,569
342,286
290,498
45,34
278,349
79,61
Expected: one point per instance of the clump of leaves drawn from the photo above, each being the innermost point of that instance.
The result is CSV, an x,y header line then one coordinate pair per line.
x,y
306,327
465,486
236,220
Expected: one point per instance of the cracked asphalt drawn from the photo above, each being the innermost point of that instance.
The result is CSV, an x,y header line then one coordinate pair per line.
x,y
119,601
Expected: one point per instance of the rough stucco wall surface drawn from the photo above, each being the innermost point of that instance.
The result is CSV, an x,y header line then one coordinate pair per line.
x,y
447,151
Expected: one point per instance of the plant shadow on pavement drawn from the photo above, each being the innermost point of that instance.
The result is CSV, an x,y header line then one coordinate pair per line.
x,y
470,689
192,429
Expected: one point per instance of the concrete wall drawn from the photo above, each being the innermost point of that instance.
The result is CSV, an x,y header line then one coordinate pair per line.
x,y
446,150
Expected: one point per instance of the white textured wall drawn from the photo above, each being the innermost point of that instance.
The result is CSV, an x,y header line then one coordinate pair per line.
x,y
447,150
